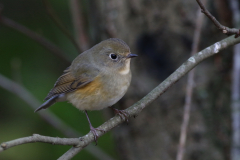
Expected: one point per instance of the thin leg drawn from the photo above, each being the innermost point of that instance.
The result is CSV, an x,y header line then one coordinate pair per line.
x,y
123,114
92,129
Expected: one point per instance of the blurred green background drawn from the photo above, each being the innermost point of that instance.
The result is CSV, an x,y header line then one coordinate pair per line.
x,y
34,67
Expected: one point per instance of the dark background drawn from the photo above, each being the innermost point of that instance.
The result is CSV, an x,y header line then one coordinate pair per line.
x,y
161,33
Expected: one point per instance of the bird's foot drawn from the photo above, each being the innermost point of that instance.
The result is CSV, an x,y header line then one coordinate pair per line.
x,y
123,114
94,132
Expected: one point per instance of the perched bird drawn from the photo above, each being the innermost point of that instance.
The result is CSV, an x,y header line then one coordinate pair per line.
x,y
96,79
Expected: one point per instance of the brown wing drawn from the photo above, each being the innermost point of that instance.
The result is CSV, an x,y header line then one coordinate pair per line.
x,y
67,83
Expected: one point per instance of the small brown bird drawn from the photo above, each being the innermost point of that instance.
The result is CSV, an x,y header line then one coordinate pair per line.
x,y
96,79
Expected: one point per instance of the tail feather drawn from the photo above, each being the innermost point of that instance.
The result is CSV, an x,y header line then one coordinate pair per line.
x,y
48,103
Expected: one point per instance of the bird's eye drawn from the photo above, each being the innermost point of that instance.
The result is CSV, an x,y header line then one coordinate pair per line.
x,y
113,56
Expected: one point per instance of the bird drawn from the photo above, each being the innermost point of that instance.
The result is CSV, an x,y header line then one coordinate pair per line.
x,y
96,79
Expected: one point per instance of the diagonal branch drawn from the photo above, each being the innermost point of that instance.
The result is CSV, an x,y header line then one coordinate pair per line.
x,y
225,30
150,97
155,93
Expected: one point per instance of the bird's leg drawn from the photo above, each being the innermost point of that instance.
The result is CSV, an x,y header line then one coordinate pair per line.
x,y
123,114
92,129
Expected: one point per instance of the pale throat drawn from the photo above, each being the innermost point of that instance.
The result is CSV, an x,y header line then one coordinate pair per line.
x,y
126,69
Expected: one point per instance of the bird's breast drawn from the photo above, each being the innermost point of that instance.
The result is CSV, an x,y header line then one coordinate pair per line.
x,y
102,92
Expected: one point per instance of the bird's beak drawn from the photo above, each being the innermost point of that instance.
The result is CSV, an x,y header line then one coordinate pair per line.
x,y
132,55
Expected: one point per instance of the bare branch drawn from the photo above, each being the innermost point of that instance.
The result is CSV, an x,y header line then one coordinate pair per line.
x,y
70,153
60,25
154,94
39,138
189,89
135,109
49,117
36,37
225,30
79,25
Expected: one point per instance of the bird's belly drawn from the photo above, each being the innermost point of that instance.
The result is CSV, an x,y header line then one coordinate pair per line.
x,y
95,96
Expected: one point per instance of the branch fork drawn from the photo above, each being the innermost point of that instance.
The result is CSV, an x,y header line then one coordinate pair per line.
x,y
225,30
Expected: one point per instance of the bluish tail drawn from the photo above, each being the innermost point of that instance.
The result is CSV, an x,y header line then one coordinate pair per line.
x,y
47,104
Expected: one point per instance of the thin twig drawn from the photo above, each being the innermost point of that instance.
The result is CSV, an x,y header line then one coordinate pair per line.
x,y
60,25
78,24
135,109
189,89
36,37
225,30
50,118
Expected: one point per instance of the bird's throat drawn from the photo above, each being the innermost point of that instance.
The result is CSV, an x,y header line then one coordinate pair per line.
x,y
126,69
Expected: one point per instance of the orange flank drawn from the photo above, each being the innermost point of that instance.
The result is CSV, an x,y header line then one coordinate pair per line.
x,y
90,89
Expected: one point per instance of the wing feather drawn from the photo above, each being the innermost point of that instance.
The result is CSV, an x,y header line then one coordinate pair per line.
x,y
68,83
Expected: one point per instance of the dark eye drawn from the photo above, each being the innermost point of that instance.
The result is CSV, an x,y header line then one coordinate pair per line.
x,y
113,56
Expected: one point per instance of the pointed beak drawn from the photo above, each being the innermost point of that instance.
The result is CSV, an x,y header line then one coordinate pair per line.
x,y
132,55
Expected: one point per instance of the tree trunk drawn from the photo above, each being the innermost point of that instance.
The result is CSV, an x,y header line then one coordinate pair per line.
x,y
161,33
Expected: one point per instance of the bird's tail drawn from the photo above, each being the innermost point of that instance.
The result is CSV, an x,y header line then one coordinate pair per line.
x,y
48,103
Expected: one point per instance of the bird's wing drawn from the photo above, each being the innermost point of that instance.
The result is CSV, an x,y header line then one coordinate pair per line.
x,y
67,82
